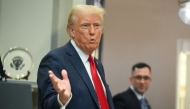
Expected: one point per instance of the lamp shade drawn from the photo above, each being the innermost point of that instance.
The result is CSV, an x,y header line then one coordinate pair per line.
x,y
184,13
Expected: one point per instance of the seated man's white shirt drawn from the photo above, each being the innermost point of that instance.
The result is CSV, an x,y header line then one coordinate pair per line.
x,y
136,93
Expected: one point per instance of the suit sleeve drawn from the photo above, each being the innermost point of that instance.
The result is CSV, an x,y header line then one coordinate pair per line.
x,y
47,96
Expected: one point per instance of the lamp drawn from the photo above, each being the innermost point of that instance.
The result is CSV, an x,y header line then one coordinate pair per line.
x,y
184,11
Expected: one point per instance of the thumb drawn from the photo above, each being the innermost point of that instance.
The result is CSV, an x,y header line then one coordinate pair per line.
x,y
64,75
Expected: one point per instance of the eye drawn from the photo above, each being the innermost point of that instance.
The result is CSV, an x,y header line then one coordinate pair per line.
x,y
146,78
138,77
85,26
96,25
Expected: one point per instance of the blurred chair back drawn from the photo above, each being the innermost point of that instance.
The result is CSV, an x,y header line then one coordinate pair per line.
x,y
15,96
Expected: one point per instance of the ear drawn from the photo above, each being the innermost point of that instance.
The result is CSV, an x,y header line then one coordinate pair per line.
x,y
71,32
131,79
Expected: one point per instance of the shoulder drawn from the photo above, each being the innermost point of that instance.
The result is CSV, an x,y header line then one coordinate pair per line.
x,y
120,95
63,49
127,94
60,51
122,100
53,54
56,51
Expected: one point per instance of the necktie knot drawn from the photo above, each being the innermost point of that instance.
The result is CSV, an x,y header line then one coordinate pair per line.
x,y
90,58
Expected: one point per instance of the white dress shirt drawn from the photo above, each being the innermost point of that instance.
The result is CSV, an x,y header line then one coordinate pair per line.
x,y
136,93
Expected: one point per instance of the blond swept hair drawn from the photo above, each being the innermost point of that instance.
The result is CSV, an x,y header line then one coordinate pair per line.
x,y
84,9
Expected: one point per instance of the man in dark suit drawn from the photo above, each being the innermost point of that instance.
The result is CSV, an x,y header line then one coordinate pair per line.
x,y
133,97
69,83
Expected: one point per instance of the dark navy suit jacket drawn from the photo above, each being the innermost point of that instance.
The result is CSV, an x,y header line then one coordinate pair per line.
x,y
83,93
127,100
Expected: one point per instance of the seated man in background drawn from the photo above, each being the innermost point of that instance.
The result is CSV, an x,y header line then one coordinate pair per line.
x,y
133,97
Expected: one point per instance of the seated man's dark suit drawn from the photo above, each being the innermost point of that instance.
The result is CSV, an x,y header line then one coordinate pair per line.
x,y
127,100
83,93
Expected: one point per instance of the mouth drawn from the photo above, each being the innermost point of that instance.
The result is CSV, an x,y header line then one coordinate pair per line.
x,y
141,87
92,40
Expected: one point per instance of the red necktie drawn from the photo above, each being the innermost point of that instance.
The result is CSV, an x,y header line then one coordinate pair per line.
x,y
98,85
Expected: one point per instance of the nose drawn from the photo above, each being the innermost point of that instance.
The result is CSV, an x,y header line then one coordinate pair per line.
x,y
142,80
91,30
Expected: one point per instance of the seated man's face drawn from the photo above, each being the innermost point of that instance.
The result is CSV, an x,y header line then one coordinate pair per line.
x,y
141,79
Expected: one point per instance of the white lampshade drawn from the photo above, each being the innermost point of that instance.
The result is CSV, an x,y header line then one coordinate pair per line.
x,y
184,13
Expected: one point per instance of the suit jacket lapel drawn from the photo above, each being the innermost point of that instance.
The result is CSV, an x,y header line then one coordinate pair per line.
x,y
148,105
81,70
100,71
134,98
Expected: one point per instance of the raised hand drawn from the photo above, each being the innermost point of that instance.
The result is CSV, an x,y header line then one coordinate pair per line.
x,y
62,87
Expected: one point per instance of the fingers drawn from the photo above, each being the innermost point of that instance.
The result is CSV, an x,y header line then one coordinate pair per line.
x,y
64,75
50,73
60,85
52,76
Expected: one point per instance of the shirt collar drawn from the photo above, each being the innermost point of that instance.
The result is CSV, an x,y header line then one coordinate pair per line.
x,y
83,56
139,96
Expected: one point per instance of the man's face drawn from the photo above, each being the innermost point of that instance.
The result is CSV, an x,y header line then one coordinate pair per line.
x,y
87,31
141,79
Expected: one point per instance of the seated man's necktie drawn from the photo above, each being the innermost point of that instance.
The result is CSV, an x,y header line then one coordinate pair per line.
x,y
143,103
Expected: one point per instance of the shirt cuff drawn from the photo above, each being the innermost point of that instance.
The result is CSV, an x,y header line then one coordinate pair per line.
x,y
60,103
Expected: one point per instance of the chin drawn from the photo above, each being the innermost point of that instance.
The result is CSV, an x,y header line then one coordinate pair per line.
x,y
141,92
92,48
